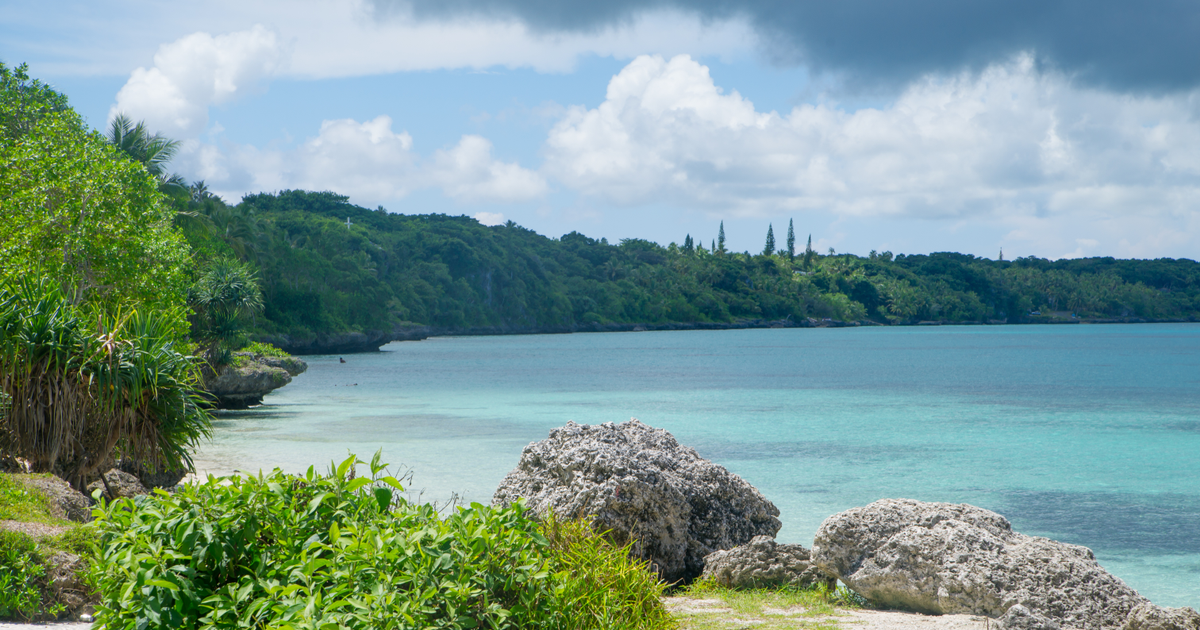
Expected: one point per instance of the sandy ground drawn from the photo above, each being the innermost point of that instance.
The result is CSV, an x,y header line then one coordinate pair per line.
x,y
715,610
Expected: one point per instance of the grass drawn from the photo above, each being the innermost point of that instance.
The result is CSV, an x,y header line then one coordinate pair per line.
x,y
706,606
19,502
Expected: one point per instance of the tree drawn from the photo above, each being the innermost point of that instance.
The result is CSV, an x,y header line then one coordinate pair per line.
x,y
224,296
769,248
85,382
688,245
152,151
791,241
721,238
25,101
808,253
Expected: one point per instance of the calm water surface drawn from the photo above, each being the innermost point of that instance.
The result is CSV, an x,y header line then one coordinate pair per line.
x,y
1085,434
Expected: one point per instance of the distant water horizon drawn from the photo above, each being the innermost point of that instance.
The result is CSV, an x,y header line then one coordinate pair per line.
x,y
1085,434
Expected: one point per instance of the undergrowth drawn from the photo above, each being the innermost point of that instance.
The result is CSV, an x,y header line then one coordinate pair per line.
x,y
19,502
766,609
23,579
335,551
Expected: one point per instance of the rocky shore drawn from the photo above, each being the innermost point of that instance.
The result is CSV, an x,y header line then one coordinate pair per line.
x,y
251,376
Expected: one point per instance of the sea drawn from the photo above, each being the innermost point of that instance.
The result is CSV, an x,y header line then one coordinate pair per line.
x,y
1087,434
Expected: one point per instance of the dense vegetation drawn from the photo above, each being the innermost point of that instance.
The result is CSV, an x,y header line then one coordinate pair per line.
x,y
338,551
327,266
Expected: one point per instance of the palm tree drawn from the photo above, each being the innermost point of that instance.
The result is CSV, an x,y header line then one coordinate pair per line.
x,y
153,151
225,294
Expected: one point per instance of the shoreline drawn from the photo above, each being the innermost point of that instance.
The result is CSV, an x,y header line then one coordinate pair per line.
x,y
372,341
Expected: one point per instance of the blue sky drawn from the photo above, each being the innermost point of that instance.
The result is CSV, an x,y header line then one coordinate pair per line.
x,y
1054,129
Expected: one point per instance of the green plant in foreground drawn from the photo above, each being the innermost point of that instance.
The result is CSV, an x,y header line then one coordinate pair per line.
x,y
335,551
18,502
22,573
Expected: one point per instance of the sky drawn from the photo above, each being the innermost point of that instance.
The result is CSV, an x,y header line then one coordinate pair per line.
x,y
1037,128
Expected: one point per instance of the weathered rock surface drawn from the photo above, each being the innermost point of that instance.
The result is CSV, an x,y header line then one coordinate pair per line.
x,y
944,558
149,477
65,502
639,483
120,482
245,386
763,563
1150,617
65,581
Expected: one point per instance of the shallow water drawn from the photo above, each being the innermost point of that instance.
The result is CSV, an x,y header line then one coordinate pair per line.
x,y
1085,434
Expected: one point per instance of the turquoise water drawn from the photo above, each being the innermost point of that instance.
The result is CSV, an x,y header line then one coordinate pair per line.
x,y
1085,434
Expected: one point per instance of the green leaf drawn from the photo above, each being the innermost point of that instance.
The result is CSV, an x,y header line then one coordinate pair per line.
x,y
383,496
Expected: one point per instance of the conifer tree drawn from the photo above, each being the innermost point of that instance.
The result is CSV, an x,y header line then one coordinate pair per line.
x,y
721,238
791,242
687,244
769,248
808,253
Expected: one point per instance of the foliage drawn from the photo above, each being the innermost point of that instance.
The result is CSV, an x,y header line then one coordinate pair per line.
x,y
224,296
320,276
73,209
22,574
20,503
265,349
319,551
767,608
87,381
136,141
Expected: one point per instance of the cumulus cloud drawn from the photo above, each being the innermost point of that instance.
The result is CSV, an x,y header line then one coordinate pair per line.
x,y
469,172
490,218
195,72
368,161
1009,139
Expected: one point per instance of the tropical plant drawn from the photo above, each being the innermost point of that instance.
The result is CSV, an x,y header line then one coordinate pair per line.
x,y
151,150
346,551
223,297
86,382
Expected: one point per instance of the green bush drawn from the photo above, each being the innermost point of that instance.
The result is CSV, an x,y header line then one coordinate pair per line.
x,y
22,574
264,349
336,551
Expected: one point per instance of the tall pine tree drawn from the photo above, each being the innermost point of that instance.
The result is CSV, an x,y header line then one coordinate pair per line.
x,y
808,253
721,238
791,241
769,248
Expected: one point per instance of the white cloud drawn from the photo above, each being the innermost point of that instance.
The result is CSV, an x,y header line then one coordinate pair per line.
x,y
368,161
490,218
194,73
1007,143
469,173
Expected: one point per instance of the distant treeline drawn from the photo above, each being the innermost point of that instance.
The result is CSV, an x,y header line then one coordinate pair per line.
x,y
328,267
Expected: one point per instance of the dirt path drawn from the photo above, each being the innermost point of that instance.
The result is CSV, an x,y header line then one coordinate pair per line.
x,y
713,614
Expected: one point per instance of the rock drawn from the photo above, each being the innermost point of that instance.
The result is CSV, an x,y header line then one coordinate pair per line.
x,y
1147,616
64,581
638,483
149,477
942,558
764,563
242,387
122,483
1019,617
65,502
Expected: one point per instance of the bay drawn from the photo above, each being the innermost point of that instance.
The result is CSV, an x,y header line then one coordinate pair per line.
x,y
1084,434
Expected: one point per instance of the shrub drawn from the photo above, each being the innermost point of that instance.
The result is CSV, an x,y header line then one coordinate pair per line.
x,y
264,349
22,574
337,551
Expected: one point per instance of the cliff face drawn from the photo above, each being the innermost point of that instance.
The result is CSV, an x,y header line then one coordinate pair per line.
x,y
244,385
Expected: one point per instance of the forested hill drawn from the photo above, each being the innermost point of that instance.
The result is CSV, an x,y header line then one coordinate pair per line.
x,y
329,268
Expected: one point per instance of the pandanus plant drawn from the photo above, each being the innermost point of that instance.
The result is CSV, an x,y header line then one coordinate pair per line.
x,y
87,385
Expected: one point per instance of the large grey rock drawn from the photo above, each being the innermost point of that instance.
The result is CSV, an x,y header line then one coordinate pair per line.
x,y
65,502
149,476
763,563
1150,617
639,483
121,483
242,387
942,558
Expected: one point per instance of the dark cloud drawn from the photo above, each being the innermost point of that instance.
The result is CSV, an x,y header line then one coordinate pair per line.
x,y
1147,46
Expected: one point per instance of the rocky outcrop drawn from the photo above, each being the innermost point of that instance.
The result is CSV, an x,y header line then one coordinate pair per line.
x,y
763,563
149,477
943,558
1150,617
338,343
252,376
120,483
65,502
640,484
